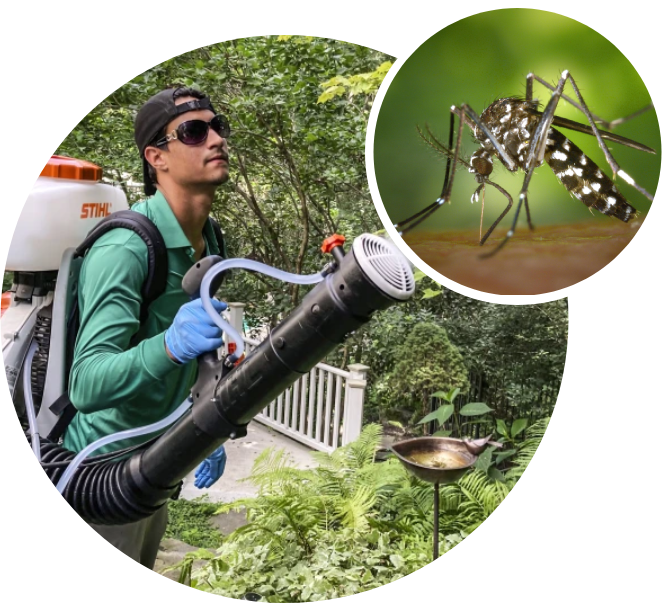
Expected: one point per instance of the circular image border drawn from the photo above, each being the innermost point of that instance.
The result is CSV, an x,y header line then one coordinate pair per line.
x,y
517,299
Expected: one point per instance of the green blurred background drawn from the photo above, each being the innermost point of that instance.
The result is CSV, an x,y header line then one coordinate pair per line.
x,y
485,57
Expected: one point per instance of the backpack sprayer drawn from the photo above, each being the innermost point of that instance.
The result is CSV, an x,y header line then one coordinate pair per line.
x,y
125,486
66,202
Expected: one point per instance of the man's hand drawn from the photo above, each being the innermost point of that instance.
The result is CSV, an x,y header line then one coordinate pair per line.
x,y
193,332
211,469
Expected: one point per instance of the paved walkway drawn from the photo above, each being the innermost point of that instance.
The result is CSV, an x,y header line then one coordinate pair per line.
x,y
241,455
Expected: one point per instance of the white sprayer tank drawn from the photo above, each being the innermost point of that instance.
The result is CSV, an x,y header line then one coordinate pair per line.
x,y
67,201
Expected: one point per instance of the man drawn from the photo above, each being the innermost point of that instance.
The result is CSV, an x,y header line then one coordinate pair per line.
x,y
125,373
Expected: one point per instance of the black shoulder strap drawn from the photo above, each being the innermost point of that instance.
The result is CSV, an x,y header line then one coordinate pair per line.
x,y
153,286
156,280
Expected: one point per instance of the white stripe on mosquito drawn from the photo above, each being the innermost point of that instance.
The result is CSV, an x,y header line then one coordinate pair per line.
x,y
626,177
595,186
583,160
611,201
559,155
579,171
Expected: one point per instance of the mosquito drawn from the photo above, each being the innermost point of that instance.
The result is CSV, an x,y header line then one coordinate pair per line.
x,y
522,137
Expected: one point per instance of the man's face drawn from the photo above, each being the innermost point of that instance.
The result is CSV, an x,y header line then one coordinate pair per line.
x,y
194,167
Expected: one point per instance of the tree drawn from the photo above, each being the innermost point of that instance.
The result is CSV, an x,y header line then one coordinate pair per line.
x,y
297,165
428,362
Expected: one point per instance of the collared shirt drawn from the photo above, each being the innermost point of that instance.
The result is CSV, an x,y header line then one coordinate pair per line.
x,y
121,376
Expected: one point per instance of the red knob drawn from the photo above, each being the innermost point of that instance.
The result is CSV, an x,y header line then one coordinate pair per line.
x,y
336,240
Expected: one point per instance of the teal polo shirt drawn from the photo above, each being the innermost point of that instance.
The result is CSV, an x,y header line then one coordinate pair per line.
x,y
121,376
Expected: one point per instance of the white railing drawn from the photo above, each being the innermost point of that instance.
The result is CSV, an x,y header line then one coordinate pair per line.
x,y
323,409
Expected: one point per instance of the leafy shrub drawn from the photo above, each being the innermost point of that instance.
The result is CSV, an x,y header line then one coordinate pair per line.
x,y
350,525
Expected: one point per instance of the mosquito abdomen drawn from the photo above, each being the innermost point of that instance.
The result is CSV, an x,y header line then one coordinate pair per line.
x,y
584,179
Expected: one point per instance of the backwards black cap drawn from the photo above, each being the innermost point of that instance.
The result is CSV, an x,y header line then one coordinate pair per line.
x,y
154,115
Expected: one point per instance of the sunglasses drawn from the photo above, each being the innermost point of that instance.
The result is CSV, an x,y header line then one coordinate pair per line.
x,y
195,131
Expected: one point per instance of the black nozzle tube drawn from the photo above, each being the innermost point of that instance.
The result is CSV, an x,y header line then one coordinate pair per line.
x,y
340,304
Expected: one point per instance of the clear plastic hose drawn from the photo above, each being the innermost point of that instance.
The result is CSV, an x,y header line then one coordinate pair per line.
x,y
121,435
28,397
281,275
224,325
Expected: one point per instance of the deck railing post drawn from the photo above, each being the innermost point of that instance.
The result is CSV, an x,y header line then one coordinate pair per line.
x,y
354,394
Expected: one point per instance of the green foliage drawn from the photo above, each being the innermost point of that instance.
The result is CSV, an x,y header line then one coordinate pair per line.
x,y
350,525
301,163
446,411
189,521
7,278
527,449
362,83
293,161
343,563
440,366
517,352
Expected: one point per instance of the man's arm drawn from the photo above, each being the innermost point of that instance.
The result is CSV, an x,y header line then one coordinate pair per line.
x,y
106,370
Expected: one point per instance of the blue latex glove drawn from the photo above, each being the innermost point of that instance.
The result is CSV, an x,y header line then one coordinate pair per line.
x,y
192,333
211,469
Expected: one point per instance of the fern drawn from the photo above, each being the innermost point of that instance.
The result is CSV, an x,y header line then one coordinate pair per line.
x,y
350,490
534,435
349,525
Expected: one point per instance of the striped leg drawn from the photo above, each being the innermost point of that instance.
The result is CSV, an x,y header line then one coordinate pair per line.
x,y
581,105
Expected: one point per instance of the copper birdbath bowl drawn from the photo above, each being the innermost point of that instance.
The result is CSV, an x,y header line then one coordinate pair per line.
x,y
437,461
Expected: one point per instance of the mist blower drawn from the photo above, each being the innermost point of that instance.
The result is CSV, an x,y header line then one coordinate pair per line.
x,y
127,485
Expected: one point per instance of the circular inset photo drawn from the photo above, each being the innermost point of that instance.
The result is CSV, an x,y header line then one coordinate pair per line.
x,y
517,152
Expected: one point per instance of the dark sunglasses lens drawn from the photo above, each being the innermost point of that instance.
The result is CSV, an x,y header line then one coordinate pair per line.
x,y
193,132
220,126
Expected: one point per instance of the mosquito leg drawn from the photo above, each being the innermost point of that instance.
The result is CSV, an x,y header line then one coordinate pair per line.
x,y
581,105
510,232
608,125
481,217
530,223
610,159
447,172
414,220
500,217
529,94
449,177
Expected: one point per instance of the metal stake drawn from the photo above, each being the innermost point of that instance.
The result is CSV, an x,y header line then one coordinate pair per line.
x,y
436,522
